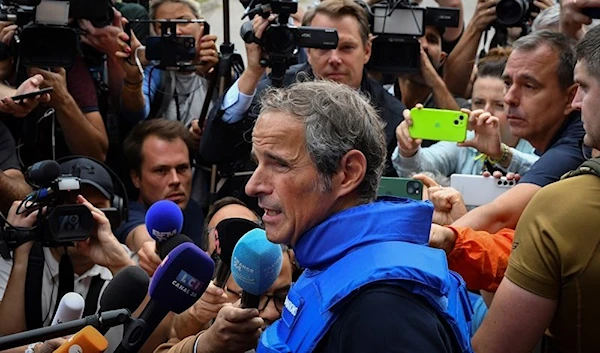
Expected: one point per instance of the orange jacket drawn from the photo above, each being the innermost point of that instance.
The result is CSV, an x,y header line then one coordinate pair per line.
x,y
481,257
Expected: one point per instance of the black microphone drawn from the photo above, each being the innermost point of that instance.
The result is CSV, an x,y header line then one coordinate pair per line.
x,y
229,231
168,245
99,321
177,284
43,173
127,289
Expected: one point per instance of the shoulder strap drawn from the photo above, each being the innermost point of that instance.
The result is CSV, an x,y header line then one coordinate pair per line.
x,y
591,166
91,299
162,94
33,287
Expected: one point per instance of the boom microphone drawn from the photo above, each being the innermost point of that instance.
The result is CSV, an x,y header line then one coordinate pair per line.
x,y
229,231
177,284
70,308
255,266
43,173
87,340
100,321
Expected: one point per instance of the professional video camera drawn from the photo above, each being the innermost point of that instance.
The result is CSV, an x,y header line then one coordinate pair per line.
x,y
58,224
282,39
397,26
44,37
514,13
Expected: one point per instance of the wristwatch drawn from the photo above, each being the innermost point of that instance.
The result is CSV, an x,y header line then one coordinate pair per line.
x,y
31,347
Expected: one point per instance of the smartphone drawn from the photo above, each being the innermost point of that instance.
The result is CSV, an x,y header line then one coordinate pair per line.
x,y
20,97
174,49
438,124
401,187
478,190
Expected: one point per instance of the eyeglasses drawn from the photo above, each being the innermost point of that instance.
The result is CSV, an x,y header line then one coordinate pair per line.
x,y
278,300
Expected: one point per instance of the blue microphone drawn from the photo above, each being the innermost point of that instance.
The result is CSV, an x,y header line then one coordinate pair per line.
x,y
177,284
255,265
164,219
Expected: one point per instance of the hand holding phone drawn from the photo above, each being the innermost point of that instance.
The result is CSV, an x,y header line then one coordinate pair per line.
x,y
33,94
438,124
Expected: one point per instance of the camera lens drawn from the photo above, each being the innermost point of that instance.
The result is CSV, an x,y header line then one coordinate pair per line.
x,y
455,122
411,190
461,117
510,12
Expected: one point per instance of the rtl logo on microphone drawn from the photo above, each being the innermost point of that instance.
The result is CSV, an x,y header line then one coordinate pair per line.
x,y
188,284
161,236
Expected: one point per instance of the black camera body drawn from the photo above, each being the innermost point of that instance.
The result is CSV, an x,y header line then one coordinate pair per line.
x,y
514,13
281,39
44,37
397,28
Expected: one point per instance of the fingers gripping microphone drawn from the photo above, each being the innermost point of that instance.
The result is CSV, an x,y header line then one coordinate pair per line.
x,y
255,266
229,231
70,308
177,284
87,340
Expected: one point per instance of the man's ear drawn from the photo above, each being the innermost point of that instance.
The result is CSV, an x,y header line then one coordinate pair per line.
x,y
135,178
443,57
571,92
351,173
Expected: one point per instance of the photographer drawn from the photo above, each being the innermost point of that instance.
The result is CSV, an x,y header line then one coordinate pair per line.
x,y
173,95
92,262
226,141
572,20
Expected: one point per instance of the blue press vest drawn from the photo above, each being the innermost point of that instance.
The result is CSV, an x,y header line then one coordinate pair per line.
x,y
310,307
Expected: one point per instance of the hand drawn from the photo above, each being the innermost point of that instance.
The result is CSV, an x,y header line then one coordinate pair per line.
x,y
209,304
442,238
7,32
429,73
484,15
24,220
102,248
407,146
487,138
509,176
58,81
571,19
149,260
448,204
207,54
196,131
105,39
542,5
126,55
50,346
234,330
254,51
24,107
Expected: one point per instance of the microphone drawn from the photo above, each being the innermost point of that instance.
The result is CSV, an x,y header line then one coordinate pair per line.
x,y
127,289
100,321
87,340
177,284
255,266
164,219
70,308
43,173
229,231
171,244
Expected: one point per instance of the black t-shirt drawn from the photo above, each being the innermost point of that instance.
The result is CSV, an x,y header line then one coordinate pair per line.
x,y
387,318
8,152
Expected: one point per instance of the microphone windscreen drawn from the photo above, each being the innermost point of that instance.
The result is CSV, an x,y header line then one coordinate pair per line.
x,y
44,172
126,290
229,232
164,219
181,278
87,340
70,308
171,244
256,262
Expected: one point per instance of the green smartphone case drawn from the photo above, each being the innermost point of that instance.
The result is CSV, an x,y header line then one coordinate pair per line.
x,y
438,124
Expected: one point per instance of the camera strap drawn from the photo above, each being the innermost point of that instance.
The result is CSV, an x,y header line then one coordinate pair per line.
x,y
66,277
33,287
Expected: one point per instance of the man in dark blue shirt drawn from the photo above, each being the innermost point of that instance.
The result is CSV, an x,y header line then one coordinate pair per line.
x,y
539,90
159,155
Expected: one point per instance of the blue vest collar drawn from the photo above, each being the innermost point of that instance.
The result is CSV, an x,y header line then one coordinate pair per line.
x,y
387,219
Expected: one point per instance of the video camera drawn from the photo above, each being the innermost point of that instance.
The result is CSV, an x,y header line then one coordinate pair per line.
x,y
515,13
59,224
397,27
44,37
173,52
282,39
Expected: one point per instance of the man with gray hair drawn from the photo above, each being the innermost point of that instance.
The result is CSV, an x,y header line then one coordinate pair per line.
x,y
320,150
